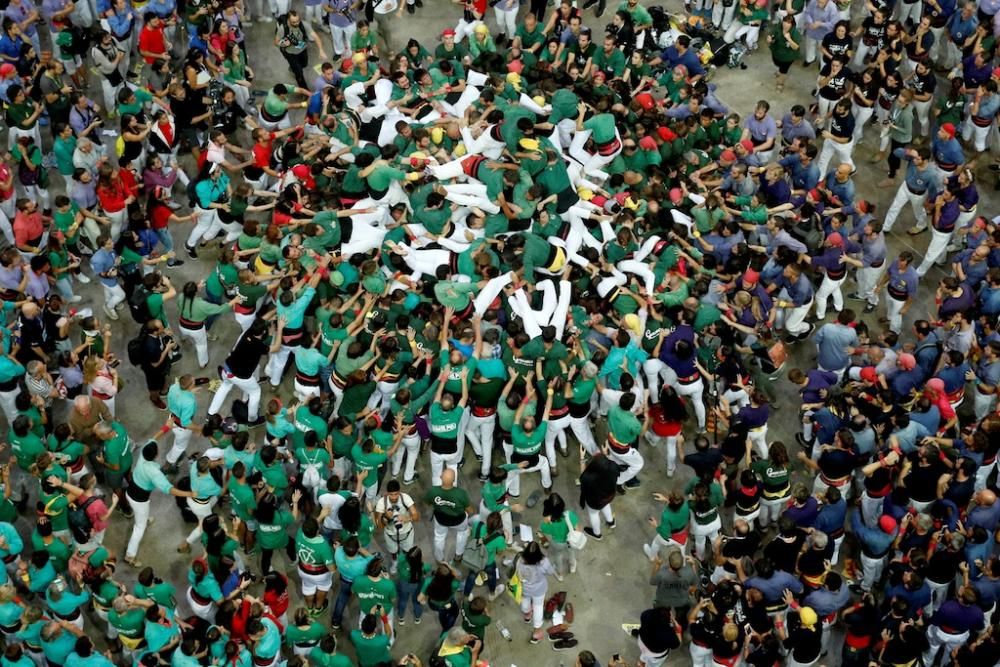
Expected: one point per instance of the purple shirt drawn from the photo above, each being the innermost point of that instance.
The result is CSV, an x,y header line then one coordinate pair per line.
x,y
827,16
38,285
10,279
761,130
19,13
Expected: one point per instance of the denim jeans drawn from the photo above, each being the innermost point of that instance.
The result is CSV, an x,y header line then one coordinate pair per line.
x,y
217,300
405,592
166,239
448,615
343,597
491,579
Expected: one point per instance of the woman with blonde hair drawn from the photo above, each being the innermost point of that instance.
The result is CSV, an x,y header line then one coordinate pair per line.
x,y
102,380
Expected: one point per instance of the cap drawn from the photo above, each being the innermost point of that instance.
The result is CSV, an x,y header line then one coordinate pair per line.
x,y
631,321
346,65
417,158
728,156
646,101
514,78
869,374
437,135
949,128
807,616
647,143
747,145
887,524
539,100
481,29
751,277
666,133
6,69
676,195
585,194
630,203
836,240
448,32
907,361
815,195
529,144
996,72
301,170
937,384
515,67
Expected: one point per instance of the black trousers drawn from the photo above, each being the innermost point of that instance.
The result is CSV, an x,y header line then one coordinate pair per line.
x,y
298,62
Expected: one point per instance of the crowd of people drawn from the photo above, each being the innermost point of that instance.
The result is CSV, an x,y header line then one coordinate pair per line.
x,y
441,276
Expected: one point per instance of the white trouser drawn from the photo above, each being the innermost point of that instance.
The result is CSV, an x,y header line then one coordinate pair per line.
x,y
976,134
410,449
595,517
653,548
535,605
701,656
859,56
276,364
109,92
632,458
580,426
203,611
904,195
795,318
8,404
737,30
922,111
140,519
868,278
722,17
811,49
938,639
591,162
871,509
206,221
983,474
278,7
200,510
250,388
305,392
556,431
342,38
440,461
704,534
936,249
479,432
771,509
655,372
833,148
182,437
200,339
894,308
461,532
696,392
871,569
541,467
861,117
758,438
908,10
506,20
484,144
113,295
982,404
827,289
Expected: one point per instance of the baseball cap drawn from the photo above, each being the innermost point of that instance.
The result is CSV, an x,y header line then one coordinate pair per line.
x,y
528,144
887,523
907,361
751,277
728,156
448,32
646,101
949,128
666,133
747,145
647,143
869,374
836,240
6,69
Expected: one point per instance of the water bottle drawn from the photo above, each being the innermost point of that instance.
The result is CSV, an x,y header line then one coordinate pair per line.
x,y
504,632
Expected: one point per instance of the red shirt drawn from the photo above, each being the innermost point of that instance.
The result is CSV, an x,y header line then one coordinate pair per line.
x,y
262,152
152,40
27,227
112,197
160,216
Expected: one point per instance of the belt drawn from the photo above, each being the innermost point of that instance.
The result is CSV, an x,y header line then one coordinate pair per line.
x,y
609,148
955,395
245,310
690,379
71,617
191,325
198,598
9,385
558,260
619,447
984,393
307,380
103,397
950,630
201,501
556,413
483,411
309,568
834,482
922,192
879,265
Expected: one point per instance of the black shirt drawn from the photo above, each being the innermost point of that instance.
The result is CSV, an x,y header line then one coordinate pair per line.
x,y
842,127
227,117
246,356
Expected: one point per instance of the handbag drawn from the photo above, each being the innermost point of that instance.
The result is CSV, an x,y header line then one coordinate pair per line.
x,y
476,556
576,539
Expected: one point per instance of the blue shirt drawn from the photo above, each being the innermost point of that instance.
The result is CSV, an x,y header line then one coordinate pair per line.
x,y
831,517
103,261
689,59
874,541
803,177
919,181
832,343
800,292
915,600
947,153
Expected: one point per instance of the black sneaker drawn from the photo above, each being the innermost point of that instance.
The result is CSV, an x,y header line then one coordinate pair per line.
x,y
411,9
483,478
613,524
802,441
854,296
600,8
589,3
565,644
621,490
632,483
192,252
174,263
590,531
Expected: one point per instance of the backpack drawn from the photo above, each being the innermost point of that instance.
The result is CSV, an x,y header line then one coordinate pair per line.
x,y
138,306
311,478
136,355
79,523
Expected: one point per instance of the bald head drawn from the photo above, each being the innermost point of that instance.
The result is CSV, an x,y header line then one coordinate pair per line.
x,y
448,478
82,404
987,497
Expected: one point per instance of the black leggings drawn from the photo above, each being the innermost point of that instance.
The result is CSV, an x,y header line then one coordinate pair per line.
x,y
894,162
265,557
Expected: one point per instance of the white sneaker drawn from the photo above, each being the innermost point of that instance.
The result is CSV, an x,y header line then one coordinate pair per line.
x,y
110,312
82,279
497,592
649,552
559,577
76,299
572,567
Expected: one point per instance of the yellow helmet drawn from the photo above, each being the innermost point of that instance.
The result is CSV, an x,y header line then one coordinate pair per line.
x,y
459,149
437,135
585,194
529,144
481,29
358,58
539,100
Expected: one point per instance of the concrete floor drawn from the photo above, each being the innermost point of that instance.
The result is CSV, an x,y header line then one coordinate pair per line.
x,y
611,584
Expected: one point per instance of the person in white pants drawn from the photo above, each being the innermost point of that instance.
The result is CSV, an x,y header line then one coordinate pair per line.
x,y
978,125
872,263
987,380
839,138
442,528
945,216
249,385
833,263
182,405
921,180
722,14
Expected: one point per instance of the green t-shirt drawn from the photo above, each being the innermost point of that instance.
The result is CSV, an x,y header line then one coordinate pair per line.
x,y
449,504
374,593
